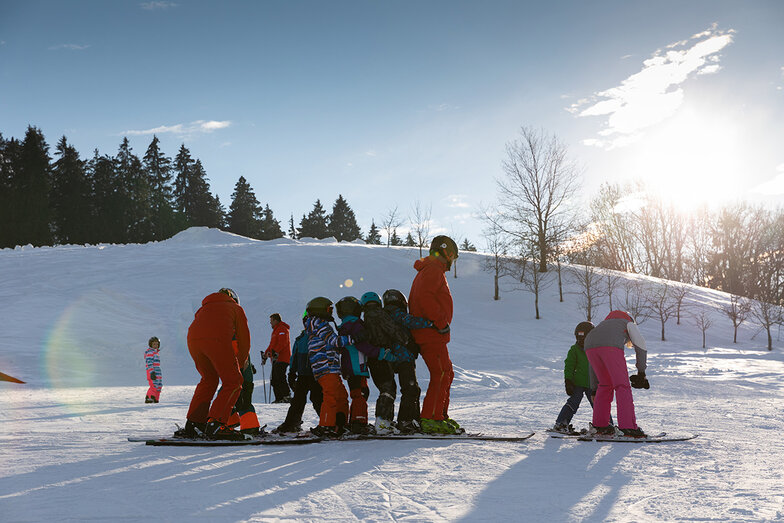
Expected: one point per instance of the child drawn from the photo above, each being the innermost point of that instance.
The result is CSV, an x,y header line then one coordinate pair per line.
x,y
152,361
604,347
396,306
382,331
354,359
302,382
243,415
576,379
324,358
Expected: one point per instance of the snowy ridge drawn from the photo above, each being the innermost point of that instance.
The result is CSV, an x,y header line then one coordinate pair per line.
x,y
75,325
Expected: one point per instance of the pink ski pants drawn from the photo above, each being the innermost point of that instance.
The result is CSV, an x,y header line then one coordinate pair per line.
x,y
609,365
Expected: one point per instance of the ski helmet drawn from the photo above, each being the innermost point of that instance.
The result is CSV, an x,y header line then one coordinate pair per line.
x,y
152,340
445,247
370,297
348,306
320,307
620,315
395,298
582,329
231,294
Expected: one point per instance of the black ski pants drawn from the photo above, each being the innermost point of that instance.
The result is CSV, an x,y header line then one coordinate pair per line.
x,y
409,391
278,380
305,385
384,379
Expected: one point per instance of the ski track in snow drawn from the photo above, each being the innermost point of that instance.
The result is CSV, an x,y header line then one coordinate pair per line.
x,y
77,320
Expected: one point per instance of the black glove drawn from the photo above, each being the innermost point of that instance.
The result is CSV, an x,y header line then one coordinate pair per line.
x,y
274,356
263,358
569,387
292,380
445,330
252,369
362,336
639,381
153,376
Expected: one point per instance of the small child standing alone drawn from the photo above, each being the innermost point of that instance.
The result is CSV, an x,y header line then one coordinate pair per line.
x,y
152,361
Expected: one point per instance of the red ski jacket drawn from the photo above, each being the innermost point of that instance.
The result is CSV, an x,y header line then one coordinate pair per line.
x,y
221,318
430,298
279,343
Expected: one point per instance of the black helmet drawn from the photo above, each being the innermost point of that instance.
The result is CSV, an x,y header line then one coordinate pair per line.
x,y
153,339
348,306
582,330
231,294
445,247
320,307
395,298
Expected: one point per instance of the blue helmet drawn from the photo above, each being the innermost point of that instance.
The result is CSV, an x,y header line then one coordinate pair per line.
x,y
370,297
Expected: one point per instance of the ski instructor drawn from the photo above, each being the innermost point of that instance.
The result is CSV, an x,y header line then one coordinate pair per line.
x,y
430,298
219,320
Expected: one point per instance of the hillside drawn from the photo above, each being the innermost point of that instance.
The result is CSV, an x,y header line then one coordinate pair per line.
x,y
75,325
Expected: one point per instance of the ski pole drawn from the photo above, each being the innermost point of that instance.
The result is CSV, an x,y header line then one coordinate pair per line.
x,y
263,379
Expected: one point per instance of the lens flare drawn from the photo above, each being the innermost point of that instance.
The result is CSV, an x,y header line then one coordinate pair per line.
x,y
348,283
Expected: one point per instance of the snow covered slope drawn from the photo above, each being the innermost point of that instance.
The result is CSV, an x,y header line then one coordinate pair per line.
x,y
75,322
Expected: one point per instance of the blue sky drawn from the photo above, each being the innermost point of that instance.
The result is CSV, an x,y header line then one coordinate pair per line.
x,y
393,102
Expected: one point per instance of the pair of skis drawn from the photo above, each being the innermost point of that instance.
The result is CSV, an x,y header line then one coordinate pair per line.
x,y
651,438
306,437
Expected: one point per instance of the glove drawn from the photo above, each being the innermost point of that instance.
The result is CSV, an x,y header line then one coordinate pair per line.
x,y
274,356
639,381
386,355
264,358
252,369
569,387
153,376
292,380
362,336
445,330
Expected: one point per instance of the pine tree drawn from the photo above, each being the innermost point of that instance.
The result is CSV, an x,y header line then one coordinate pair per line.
x,y
410,242
70,196
207,210
315,224
395,239
374,235
244,216
292,230
467,246
342,222
183,167
270,227
106,205
30,188
158,168
9,152
135,190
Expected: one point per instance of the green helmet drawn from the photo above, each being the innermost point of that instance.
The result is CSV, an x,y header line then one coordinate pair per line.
x,y
445,247
320,307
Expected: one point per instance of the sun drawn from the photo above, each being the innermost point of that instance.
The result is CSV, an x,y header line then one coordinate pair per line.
x,y
696,158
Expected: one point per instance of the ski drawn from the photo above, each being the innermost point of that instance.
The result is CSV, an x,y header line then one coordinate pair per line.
x,y
6,377
566,435
266,439
478,436
656,438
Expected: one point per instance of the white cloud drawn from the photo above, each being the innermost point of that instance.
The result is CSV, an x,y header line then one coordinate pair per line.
x,y
442,107
70,47
151,6
653,94
370,153
774,186
457,200
199,126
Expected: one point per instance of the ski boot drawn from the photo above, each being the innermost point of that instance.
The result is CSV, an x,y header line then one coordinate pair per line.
x,y
325,432
609,430
452,423
634,433
287,428
361,427
409,427
149,399
385,427
218,430
191,430
432,426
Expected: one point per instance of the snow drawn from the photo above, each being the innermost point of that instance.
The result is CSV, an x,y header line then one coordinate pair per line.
x,y
76,322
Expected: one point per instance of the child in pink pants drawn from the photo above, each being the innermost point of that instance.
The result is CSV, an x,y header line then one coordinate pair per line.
x,y
152,362
604,347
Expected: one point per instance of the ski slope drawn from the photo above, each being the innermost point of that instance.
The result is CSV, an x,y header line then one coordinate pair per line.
x,y
75,323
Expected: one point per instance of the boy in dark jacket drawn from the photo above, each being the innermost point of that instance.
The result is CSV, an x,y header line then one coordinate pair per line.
x,y
396,306
577,380
302,382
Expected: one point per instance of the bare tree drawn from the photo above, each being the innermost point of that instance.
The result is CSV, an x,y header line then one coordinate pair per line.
x,y
767,315
534,280
420,224
391,222
661,304
703,322
538,181
589,280
634,300
497,245
612,281
737,311
679,294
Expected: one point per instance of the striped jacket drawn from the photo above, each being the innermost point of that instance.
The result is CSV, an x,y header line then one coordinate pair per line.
x,y
323,347
152,362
